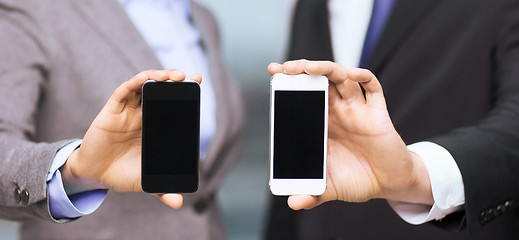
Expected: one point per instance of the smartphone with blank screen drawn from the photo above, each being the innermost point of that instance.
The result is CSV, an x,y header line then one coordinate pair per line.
x,y
298,134
170,137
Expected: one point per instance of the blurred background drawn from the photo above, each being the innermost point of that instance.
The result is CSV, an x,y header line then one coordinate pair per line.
x,y
254,33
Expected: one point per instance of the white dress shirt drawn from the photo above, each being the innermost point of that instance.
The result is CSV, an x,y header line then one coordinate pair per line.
x,y
349,21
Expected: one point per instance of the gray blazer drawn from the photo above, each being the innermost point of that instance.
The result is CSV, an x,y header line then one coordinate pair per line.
x,y
59,63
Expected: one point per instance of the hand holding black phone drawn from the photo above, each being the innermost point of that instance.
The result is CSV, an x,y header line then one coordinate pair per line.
x,y
170,137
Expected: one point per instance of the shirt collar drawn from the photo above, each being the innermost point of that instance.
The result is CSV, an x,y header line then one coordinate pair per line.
x,y
166,3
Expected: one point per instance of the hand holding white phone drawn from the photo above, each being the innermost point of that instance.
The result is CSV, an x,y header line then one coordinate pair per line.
x,y
367,157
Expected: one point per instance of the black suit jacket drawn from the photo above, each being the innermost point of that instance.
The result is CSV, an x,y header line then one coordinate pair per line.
x,y
450,74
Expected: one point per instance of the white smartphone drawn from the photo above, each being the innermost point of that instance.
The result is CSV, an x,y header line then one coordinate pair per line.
x,y
298,134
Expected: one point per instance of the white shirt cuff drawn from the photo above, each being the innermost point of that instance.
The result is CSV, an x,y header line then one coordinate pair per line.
x,y
446,184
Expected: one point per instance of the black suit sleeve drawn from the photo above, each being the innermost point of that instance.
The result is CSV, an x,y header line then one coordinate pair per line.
x,y
487,153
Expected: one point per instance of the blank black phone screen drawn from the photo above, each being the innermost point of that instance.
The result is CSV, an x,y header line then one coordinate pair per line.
x,y
170,137
298,143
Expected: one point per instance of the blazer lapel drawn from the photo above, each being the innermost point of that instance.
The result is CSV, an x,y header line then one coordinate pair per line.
x,y
108,18
310,35
405,16
209,43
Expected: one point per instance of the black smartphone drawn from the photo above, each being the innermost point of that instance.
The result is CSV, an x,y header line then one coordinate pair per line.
x,y
170,137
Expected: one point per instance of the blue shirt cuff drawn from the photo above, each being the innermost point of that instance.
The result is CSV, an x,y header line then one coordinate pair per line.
x,y
76,205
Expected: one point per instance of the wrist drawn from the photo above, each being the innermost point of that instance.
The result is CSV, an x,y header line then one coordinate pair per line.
x,y
74,172
422,191
419,189
67,173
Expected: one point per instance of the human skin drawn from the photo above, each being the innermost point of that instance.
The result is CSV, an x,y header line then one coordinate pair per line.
x,y
110,155
367,158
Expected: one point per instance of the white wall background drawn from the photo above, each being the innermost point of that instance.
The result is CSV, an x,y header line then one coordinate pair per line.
x,y
253,34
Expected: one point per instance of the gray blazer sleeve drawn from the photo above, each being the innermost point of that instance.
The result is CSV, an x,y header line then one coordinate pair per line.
x,y
24,162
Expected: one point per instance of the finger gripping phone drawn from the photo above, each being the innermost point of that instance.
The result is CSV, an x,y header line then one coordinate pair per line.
x,y
170,137
298,134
